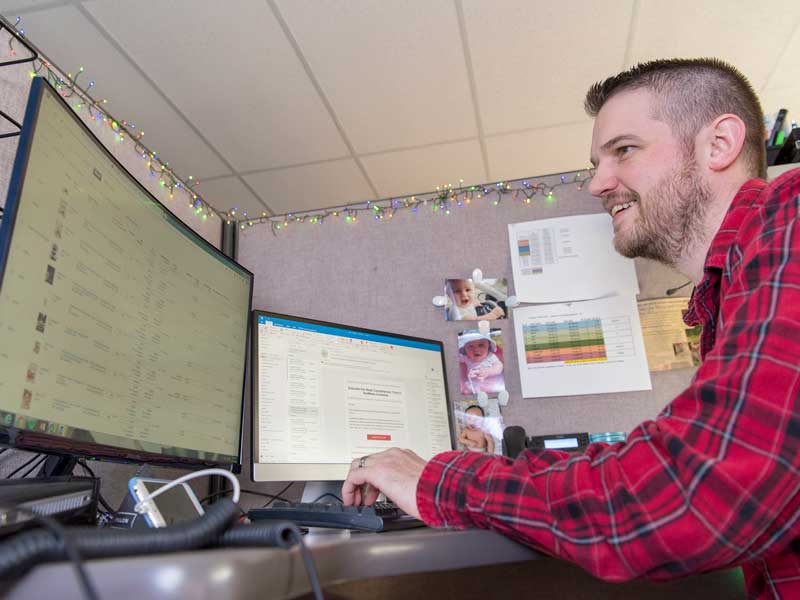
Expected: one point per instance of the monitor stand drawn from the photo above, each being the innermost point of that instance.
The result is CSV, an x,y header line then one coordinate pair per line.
x,y
315,490
56,465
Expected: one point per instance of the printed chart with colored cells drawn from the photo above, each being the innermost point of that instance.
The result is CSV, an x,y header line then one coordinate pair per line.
x,y
576,341
574,348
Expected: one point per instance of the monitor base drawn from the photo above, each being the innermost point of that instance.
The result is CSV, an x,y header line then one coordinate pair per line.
x,y
318,491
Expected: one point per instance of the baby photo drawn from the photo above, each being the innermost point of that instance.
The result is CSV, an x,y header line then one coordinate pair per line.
x,y
480,358
479,429
467,300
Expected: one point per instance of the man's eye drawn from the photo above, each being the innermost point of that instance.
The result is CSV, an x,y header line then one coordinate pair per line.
x,y
623,150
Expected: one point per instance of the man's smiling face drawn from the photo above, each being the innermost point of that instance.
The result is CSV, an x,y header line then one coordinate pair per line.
x,y
646,179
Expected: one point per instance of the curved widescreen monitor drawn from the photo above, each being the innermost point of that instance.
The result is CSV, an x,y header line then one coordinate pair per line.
x,y
124,333
325,394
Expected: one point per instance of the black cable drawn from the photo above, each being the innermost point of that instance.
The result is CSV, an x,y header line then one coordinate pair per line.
x,y
86,468
30,548
18,469
243,491
34,547
279,494
280,534
34,467
69,548
671,291
311,568
272,497
328,494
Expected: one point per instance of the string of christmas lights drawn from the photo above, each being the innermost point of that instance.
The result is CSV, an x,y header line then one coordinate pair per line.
x,y
80,99
444,200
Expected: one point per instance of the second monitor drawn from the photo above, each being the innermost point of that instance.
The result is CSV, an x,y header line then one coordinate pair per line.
x,y
325,394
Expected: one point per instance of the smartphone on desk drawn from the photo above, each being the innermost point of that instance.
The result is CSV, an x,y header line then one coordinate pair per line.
x,y
173,506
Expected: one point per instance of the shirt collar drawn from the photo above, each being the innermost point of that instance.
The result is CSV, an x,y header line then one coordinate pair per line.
x,y
703,302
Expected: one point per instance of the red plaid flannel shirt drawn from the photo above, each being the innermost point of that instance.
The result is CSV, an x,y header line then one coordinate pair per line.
x,y
714,480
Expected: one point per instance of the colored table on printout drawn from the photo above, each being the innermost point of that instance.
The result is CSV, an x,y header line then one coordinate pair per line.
x,y
588,340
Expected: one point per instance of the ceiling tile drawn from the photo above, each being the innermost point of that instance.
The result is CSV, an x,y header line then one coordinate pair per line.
x,y
309,187
534,59
423,169
540,152
394,72
787,68
130,96
226,193
749,36
11,9
232,72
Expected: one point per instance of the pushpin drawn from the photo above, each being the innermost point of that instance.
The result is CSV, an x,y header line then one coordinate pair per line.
x,y
439,300
502,398
483,327
483,399
477,276
512,301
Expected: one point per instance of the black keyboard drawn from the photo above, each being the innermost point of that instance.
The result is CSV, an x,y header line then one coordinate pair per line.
x,y
382,516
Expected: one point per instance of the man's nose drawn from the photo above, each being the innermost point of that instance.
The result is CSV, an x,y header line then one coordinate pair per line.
x,y
604,181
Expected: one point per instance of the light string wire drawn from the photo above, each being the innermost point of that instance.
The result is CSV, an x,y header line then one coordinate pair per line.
x,y
79,99
444,200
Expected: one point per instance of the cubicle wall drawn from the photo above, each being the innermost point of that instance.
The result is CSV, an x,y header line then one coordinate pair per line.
x,y
383,275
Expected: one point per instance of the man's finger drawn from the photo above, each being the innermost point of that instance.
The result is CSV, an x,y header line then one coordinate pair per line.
x,y
352,486
371,495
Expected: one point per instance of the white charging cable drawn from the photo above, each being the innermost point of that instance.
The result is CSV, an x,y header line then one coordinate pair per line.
x,y
142,504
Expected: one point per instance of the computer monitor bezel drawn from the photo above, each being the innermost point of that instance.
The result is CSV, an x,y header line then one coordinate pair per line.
x,y
254,388
36,441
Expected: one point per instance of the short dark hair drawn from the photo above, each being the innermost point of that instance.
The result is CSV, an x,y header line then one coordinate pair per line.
x,y
692,92
478,406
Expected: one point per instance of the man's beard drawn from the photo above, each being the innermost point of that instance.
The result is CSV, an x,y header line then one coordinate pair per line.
x,y
670,219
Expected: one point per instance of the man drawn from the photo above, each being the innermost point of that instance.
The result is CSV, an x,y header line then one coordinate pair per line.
x,y
714,480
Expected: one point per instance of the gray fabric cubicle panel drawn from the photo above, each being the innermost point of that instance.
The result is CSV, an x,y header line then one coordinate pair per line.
x,y
383,274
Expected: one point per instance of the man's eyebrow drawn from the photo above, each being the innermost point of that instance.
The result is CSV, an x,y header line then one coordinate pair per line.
x,y
615,140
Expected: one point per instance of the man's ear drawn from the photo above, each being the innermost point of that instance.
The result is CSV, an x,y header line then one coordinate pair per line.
x,y
724,140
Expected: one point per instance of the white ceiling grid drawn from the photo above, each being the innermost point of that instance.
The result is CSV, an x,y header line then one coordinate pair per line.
x,y
288,105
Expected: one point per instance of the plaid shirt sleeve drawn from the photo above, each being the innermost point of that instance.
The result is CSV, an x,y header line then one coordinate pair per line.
x,y
712,482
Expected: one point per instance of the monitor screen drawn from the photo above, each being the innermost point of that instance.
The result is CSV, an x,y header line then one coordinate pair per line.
x,y
124,333
325,394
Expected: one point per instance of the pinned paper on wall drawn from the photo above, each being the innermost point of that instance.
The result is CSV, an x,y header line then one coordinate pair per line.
x,y
670,343
573,348
568,259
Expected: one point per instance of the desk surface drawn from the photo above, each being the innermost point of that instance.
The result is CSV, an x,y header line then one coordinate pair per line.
x,y
276,573
340,556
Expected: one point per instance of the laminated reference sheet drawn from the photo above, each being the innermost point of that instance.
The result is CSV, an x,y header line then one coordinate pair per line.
x,y
568,259
573,348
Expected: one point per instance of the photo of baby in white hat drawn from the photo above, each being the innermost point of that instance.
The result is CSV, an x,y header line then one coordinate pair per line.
x,y
481,363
